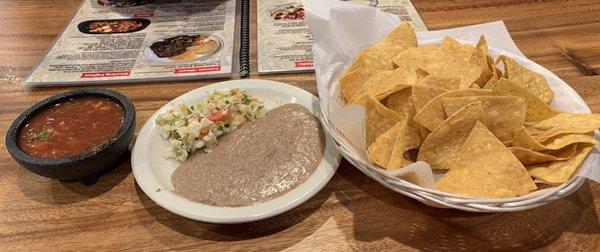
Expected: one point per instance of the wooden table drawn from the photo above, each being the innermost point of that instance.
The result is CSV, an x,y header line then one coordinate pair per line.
x,y
351,213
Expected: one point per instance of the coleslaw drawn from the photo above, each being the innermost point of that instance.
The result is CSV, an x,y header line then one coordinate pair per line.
x,y
190,128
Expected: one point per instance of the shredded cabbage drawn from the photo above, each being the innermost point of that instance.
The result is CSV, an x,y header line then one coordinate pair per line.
x,y
190,128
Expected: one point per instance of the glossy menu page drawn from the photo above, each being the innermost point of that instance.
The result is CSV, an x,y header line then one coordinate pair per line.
x,y
136,41
284,38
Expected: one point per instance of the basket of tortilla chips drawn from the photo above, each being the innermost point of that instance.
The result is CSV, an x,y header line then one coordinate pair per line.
x,y
485,124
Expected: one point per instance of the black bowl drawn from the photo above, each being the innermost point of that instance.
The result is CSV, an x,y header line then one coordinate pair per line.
x,y
79,166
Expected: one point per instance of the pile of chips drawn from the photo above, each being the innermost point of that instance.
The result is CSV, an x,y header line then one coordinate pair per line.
x,y
491,131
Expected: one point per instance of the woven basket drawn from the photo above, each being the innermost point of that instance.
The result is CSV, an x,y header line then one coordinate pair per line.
x,y
441,199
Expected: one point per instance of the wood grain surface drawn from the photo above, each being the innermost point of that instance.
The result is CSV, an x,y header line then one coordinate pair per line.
x,y
351,213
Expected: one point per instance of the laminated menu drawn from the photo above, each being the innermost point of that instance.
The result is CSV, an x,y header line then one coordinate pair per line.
x,y
116,41
284,38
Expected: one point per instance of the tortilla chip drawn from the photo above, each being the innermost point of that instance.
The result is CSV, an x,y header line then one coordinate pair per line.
x,y
480,57
560,171
379,119
402,144
433,113
530,157
407,137
533,82
372,60
380,55
536,109
402,103
386,45
437,61
404,35
525,140
503,114
491,82
491,66
462,51
486,168
354,80
388,149
380,151
385,83
496,74
421,73
439,149
412,136
563,123
560,141
423,131
399,101
441,82
423,94
397,159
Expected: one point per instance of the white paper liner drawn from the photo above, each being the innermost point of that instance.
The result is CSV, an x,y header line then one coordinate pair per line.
x,y
341,30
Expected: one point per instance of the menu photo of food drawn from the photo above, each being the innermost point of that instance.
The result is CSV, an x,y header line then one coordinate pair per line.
x,y
183,48
109,26
122,3
286,42
288,12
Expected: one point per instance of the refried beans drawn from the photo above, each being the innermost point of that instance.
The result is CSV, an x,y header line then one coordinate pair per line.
x,y
258,162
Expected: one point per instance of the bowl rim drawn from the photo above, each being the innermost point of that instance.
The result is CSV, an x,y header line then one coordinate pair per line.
x,y
13,131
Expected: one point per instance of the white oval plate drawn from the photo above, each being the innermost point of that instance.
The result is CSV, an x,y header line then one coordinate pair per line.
x,y
153,173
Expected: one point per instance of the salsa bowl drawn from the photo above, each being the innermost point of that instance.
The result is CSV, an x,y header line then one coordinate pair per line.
x,y
81,165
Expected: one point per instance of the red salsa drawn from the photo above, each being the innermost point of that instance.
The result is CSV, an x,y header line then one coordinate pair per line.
x,y
71,127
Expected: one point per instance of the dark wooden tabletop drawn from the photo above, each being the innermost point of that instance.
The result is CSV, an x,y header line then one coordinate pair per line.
x,y
352,212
